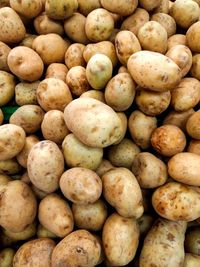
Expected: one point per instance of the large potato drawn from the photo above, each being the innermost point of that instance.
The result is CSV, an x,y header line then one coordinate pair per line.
x,y
194,147
6,257
7,86
85,7
120,239
192,244
195,69
27,233
4,51
74,55
191,260
45,166
9,166
145,68
192,125
166,21
120,7
192,37
176,39
28,8
57,70
25,93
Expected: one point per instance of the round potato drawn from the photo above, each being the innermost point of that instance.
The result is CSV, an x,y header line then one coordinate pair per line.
x,y
25,93
192,125
6,257
85,7
74,55
194,147
176,39
192,37
96,94
192,244
57,70
149,5
191,260
42,232
120,7
29,8
4,51
195,69
7,87
1,116
166,21
27,233
9,166
104,167
45,166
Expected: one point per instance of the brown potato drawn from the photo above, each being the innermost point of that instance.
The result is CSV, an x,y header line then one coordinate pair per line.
x,y
74,56
9,166
27,233
192,125
5,3
191,260
104,167
145,223
96,94
1,116
120,7
29,9
6,257
28,40
4,51
149,5
194,147
166,21
192,244
57,70
176,39
42,232
25,178
163,7
25,93
195,69
122,69
7,87
85,7
192,37
124,123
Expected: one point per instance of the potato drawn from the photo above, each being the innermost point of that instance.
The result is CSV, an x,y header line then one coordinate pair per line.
x,y
104,167
192,125
59,131
4,179
6,257
62,10
53,93
121,249
92,122
27,233
18,206
45,166
85,7
99,25
166,21
12,27
28,40
192,244
192,36
25,93
29,9
74,56
191,260
176,39
9,166
120,7
173,201
163,7
12,140
195,69
42,232
164,245
137,122
25,63
4,51
194,147
168,140
4,3
98,95
79,248
152,103
38,193
144,67
118,185
57,70
1,117
145,223
7,91
39,251
185,13
149,5
124,123
122,69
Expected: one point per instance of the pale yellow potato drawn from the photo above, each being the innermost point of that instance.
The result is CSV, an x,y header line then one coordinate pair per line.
x,y
99,25
123,8
124,123
74,55
93,122
25,93
39,253
1,116
104,167
7,87
80,248
113,35
45,166
166,21
96,94
149,5
194,147
6,257
57,70
53,93
9,166
195,69
4,51
176,39
192,36
191,260
152,103
122,69
28,40
12,27
192,244
29,8
141,127
27,233
145,223
163,7
77,154
118,185
192,125
120,239
42,232
90,217
85,7
164,244
126,44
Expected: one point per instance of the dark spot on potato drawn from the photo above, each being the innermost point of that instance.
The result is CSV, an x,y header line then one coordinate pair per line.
x,y
170,237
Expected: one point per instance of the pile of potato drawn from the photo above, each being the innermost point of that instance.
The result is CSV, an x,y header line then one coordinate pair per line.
x,y
100,162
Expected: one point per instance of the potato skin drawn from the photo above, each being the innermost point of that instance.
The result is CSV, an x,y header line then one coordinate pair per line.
x,y
25,93
4,51
57,70
121,249
166,21
176,39
192,125
195,69
27,233
120,7
7,87
85,7
192,241
191,260
28,9
194,147
74,56
104,167
6,257
149,4
192,37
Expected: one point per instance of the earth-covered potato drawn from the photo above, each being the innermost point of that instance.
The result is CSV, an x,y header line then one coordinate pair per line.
x,y
25,93
7,91
57,70
85,7
10,166
74,55
120,7
176,39
29,8
194,146
4,51
195,69
166,21
6,257
27,233
192,125
191,260
192,244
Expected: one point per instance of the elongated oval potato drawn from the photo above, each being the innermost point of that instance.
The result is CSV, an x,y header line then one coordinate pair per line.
x,y
154,71
192,125
120,239
173,201
164,245
191,260
121,7
93,122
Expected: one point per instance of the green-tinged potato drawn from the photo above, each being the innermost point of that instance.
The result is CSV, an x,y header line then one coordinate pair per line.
x,y
4,51
81,186
1,117
55,214
141,127
28,40
120,7
77,154
163,7
123,154
191,260
96,94
99,25
53,93
176,39
90,217
120,239
173,201
29,117
192,241
74,55
12,140
59,131
118,185
79,248
45,166
192,125
104,167
7,87
164,245
42,232
18,206
168,140
195,69
166,21
192,37
57,70
27,233
39,253
145,223
85,7
28,9
25,63
150,171
194,147
25,93
93,122
149,5
6,257
12,27
9,166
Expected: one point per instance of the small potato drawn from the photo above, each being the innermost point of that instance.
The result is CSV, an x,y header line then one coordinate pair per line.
x,y
7,87
195,69
173,201
6,257
28,40
29,8
39,251
145,223
12,27
192,244
149,170
192,125
98,95
79,248
4,51
1,117
74,56
59,131
9,166
25,63
57,70
53,93
152,103
191,260
18,206
121,249
104,167
144,67
12,140
120,7
29,117
141,127
168,140
149,5
42,232
90,217
85,7
194,147
99,25
166,21
27,233
77,154
99,71
126,44
123,154
45,166
176,39
192,36
25,93
118,185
